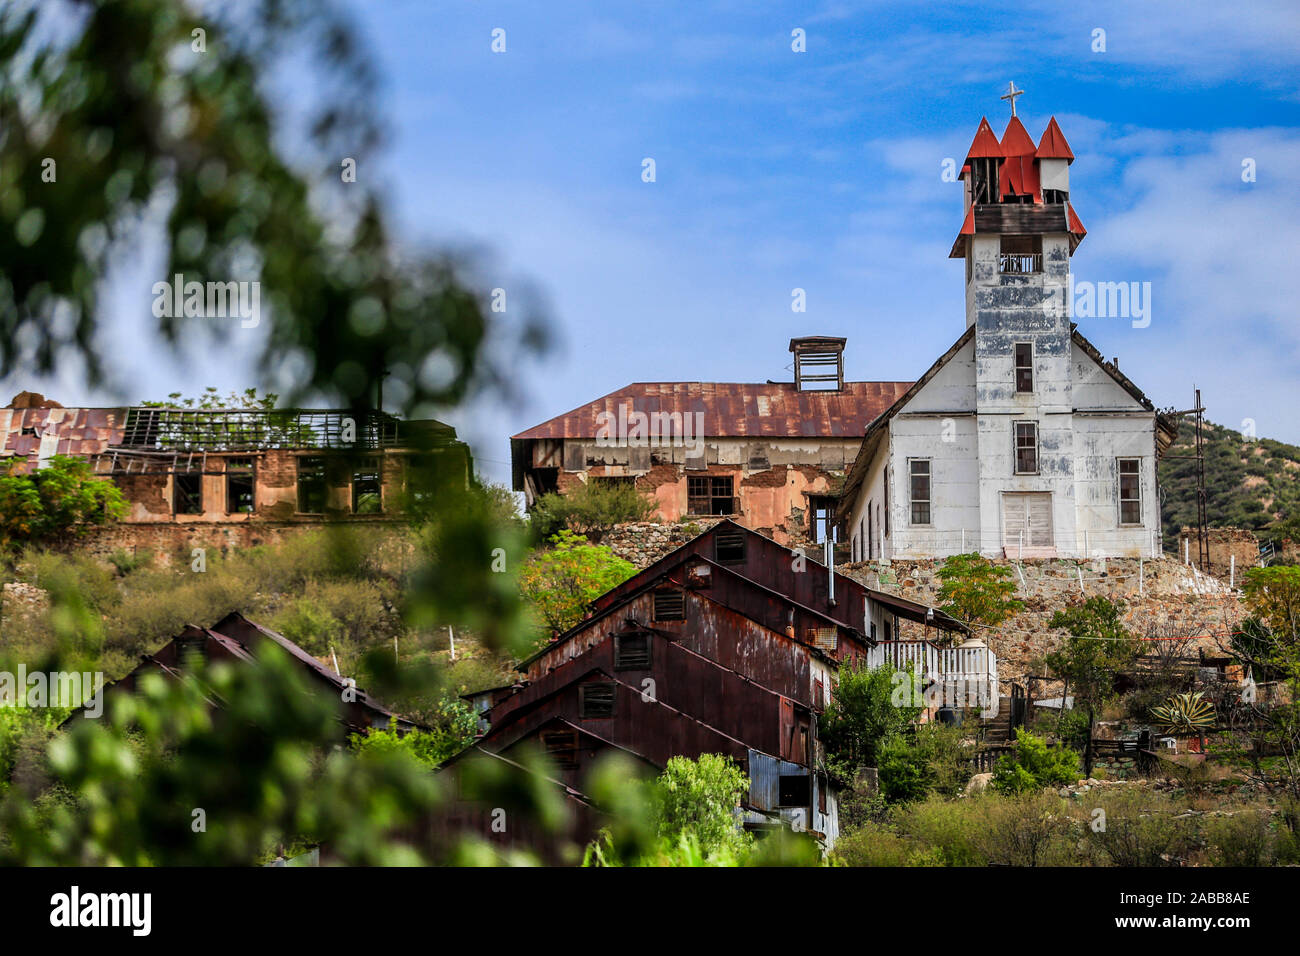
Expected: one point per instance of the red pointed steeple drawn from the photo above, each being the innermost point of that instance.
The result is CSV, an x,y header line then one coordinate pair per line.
x,y
1053,144
1018,173
1016,140
985,144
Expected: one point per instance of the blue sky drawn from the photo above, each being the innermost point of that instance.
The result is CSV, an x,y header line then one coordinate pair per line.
x,y
820,170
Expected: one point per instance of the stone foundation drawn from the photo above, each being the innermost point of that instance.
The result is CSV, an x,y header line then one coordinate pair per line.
x,y
1162,598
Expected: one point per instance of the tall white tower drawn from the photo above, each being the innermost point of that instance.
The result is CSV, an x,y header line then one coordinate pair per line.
x,y
1017,237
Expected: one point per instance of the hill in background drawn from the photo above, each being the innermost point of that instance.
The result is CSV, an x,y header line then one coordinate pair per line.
x,y
1250,483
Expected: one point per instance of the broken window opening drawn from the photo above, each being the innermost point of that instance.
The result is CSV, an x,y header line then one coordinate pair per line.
x,y
919,470
313,493
596,700
562,747
729,547
984,180
367,488
669,606
1026,448
240,498
187,494
1020,255
1024,367
632,652
1130,491
710,495
821,514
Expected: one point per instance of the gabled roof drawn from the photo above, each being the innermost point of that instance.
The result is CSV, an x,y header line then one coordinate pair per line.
x,y
619,595
735,410
1053,144
866,451
236,636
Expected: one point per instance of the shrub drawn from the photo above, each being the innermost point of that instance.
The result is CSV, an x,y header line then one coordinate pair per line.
x,y
590,509
698,799
450,736
945,828
930,761
1244,838
1027,831
869,706
1138,829
1034,765
55,503
875,844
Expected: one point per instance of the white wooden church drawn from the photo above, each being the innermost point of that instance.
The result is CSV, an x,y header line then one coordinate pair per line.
x,y
1021,440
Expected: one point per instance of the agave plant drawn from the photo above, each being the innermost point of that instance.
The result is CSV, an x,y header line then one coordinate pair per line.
x,y
1186,715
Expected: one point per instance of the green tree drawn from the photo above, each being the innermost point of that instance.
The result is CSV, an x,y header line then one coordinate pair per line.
x,y
869,705
56,503
560,581
977,591
699,799
119,133
455,731
1098,648
1272,595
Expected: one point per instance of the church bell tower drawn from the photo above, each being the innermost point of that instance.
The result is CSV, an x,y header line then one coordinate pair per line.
x,y
1018,233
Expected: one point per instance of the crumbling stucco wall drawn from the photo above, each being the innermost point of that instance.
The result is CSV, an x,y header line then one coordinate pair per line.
x,y
772,480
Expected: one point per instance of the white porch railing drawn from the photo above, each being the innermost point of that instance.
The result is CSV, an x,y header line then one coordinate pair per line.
x,y
968,672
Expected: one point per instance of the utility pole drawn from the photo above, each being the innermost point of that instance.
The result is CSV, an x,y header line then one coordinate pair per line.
x,y
1202,499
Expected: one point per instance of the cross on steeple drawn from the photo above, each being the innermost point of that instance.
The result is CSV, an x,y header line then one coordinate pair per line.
x,y
1011,95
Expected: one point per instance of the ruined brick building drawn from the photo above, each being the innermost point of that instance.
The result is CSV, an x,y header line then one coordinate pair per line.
x,y
233,471
771,455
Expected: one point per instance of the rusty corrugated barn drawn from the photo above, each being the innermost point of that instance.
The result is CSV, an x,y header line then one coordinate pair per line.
x,y
727,645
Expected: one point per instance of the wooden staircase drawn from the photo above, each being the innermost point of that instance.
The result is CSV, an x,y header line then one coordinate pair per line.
x,y
998,729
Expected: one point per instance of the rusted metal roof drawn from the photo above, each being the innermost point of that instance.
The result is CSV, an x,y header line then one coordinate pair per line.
x,y
1016,140
771,410
1053,144
34,433
985,144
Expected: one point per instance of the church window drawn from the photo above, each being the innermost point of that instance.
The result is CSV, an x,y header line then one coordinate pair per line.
x,y
1130,491
1024,367
1026,448
919,469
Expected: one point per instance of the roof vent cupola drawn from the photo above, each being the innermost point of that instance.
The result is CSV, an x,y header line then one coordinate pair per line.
x,y
818,363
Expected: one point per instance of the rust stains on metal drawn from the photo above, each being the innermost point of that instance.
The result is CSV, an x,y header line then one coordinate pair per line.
x,y
772,410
